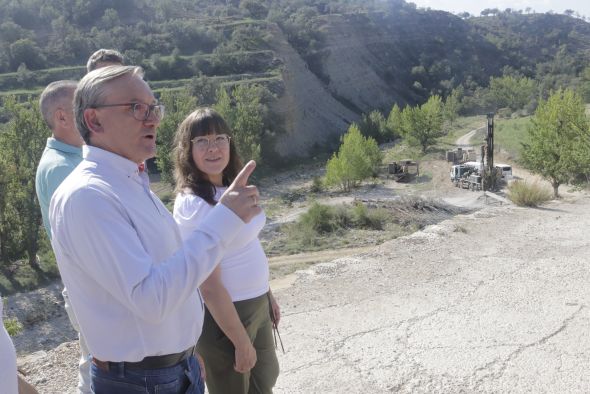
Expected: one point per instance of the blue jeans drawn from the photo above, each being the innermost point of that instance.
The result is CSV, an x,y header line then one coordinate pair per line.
x,y
183,378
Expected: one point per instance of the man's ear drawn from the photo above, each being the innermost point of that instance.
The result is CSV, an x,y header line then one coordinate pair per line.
x,y
59,116
92,121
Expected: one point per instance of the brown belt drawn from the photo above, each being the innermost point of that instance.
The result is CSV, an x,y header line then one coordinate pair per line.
x,y
150,362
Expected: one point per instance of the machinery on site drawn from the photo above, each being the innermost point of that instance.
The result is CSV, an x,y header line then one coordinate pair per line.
x,y
460,155
467,175
403,170
478,175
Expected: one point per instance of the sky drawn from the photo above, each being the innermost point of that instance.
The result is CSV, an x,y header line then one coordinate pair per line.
x,y
474,7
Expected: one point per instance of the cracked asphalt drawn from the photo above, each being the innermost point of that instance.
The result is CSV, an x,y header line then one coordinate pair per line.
x,y
491,302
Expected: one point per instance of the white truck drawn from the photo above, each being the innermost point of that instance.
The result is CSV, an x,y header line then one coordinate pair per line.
x,y
467,175
505,170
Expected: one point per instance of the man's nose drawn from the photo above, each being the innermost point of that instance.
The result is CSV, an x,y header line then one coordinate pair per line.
x,y
152,120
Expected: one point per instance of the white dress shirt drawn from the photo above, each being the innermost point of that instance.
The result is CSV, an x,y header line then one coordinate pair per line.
x,y
8,383
133,283
244,266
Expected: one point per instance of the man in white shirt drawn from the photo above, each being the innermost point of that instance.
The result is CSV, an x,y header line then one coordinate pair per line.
x,y
133,283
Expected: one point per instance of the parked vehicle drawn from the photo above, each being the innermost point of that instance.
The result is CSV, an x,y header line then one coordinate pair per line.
x,y
466,176
505,170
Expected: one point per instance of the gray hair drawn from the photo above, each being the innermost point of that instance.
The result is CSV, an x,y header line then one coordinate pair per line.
x,y
104,56
53,96
91,91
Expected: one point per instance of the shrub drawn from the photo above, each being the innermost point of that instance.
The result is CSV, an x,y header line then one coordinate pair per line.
x,y
289,197
527,194
322,221
320,218
13,326
317,186
368,218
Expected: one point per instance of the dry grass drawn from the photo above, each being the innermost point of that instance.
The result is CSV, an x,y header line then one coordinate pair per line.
x,y
525,194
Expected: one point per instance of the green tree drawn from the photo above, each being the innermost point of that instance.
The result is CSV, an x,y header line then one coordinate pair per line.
x,y
26,51
244,113
394,122
452,106
585,86
423,126
357,159
374,125
204,89
10,32
178,105
21,144
110,19
24,76
559,139
255,8
510,91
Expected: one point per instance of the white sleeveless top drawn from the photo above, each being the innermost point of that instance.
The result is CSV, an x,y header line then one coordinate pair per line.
x,y
244,266
8,383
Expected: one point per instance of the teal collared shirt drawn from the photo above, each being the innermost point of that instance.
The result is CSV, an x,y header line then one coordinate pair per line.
x,y
57,162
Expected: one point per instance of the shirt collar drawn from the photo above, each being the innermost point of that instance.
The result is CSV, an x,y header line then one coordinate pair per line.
x,y
110,159
62,146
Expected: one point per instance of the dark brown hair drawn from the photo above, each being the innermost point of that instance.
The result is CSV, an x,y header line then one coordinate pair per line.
x,y
201,122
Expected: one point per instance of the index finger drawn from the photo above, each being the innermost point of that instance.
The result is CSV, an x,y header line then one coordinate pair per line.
x,y
242,178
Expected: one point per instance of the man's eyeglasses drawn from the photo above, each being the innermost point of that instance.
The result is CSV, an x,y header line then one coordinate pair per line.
x,y
140,111
221,141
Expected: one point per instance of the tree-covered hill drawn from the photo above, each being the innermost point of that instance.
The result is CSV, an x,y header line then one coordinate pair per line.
x,y
538,44
322,62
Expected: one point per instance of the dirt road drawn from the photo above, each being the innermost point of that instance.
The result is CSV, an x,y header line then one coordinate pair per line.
x,y
465,140
495,301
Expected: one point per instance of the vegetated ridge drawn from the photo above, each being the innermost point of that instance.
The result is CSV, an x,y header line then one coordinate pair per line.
x,y
325,63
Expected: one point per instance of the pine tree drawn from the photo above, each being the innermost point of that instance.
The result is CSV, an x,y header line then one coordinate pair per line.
x,y
357,159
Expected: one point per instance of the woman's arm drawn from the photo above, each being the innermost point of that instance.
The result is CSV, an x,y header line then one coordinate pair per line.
x,y
222,309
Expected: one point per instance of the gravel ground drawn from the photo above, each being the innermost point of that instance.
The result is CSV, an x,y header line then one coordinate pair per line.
x,y
492,301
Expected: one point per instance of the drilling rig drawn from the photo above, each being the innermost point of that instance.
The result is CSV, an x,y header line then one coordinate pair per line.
x,y
490,173
478,175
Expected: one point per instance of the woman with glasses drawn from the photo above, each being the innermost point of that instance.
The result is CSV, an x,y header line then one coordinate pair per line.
x,y
237,339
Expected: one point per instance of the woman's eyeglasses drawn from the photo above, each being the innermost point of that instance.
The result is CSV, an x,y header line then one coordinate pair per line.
x,y
221,141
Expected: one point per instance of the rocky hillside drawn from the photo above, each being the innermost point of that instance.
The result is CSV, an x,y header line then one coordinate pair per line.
x,y
326,62
374,60
311,114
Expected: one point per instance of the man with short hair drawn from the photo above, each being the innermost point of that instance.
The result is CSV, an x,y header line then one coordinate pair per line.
x,y
133,283
103,58
63,152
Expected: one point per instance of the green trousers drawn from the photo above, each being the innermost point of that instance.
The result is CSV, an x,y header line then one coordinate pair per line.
x,y
219,353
